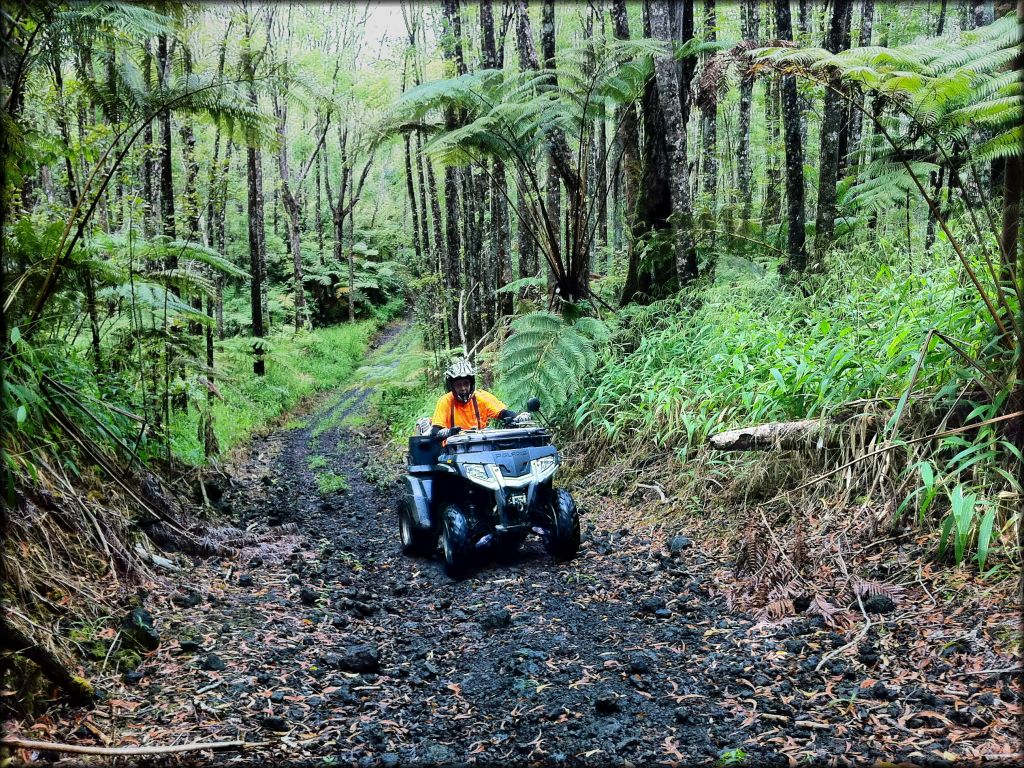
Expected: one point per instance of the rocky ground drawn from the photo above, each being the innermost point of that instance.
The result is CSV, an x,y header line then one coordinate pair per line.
x,y
321,642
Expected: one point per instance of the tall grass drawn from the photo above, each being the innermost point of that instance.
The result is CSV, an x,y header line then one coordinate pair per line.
x,y
750,350
298,364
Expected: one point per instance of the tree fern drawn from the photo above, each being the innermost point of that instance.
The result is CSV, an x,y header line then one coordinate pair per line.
x,y
548,356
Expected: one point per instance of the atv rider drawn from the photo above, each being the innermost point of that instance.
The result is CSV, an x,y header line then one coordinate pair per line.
x,y
465,407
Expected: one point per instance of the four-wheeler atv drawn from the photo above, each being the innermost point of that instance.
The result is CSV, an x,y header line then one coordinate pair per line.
x,y
485,488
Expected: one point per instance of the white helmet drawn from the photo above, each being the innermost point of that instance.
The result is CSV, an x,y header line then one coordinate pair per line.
x,y
460,369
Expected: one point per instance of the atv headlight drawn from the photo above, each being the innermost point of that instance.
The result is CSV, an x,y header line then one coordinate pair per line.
x,y
543,467
478,473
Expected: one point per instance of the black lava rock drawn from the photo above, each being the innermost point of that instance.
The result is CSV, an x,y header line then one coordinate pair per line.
x,y
277,697
359,658
245,580
274,724
138,628
652,604
679,543
867,654
264,678
213,663
307,596
879,604
188,646
133,676
364,609
499,618
190,598
639,664
880,692
607,703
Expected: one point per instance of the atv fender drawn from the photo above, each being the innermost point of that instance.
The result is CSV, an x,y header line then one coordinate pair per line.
x,y
417,492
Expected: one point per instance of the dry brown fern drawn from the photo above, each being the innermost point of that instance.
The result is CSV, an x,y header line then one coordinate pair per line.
x,y
777,609
833,616
865,589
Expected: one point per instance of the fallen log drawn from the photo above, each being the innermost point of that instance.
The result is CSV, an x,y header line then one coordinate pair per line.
x,y
13,640
806,434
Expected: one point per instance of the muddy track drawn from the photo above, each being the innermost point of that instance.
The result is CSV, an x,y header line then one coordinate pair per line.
x,y
336,646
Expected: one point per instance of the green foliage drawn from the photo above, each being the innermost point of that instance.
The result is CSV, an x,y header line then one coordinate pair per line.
x,y
328,483
752,350
549,356
963,524
948,87
732,757
298,365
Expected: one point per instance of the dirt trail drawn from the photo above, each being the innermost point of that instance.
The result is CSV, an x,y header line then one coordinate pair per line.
x,y
330,644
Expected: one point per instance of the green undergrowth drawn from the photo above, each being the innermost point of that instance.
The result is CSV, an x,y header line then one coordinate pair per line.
x,y
298,364
752,349
329,482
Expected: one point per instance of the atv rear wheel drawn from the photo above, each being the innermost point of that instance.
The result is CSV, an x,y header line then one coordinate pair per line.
x,y
414,541
455,539
563,540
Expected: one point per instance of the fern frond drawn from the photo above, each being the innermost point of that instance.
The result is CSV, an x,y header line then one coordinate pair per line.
x,y
1007,144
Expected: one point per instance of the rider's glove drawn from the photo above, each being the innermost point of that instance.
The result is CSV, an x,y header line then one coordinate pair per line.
x,y
444,434
523,419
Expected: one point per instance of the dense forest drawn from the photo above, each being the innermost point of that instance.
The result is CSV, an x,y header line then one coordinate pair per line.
x,y
760,259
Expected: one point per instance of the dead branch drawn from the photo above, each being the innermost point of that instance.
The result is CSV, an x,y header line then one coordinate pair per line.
x,y
49,746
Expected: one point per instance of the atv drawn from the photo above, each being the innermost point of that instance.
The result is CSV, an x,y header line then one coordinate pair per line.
x,y
485,489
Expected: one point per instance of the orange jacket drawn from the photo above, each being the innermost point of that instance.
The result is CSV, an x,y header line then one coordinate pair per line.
x,y
481,408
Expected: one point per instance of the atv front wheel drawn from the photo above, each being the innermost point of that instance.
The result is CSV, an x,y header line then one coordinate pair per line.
x,y
455,539
414,541
563,540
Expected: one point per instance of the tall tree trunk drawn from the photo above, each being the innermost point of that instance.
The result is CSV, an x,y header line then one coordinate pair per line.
x,y
429,249
500,261
856,117
528,60
254,174
452,48
318,219
292,206
150,194
751,19
414,208
553,190
843,147
773,173
796,250
222,214
675,132
629,148
942,19
166,167
831,125
710,120
351,250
